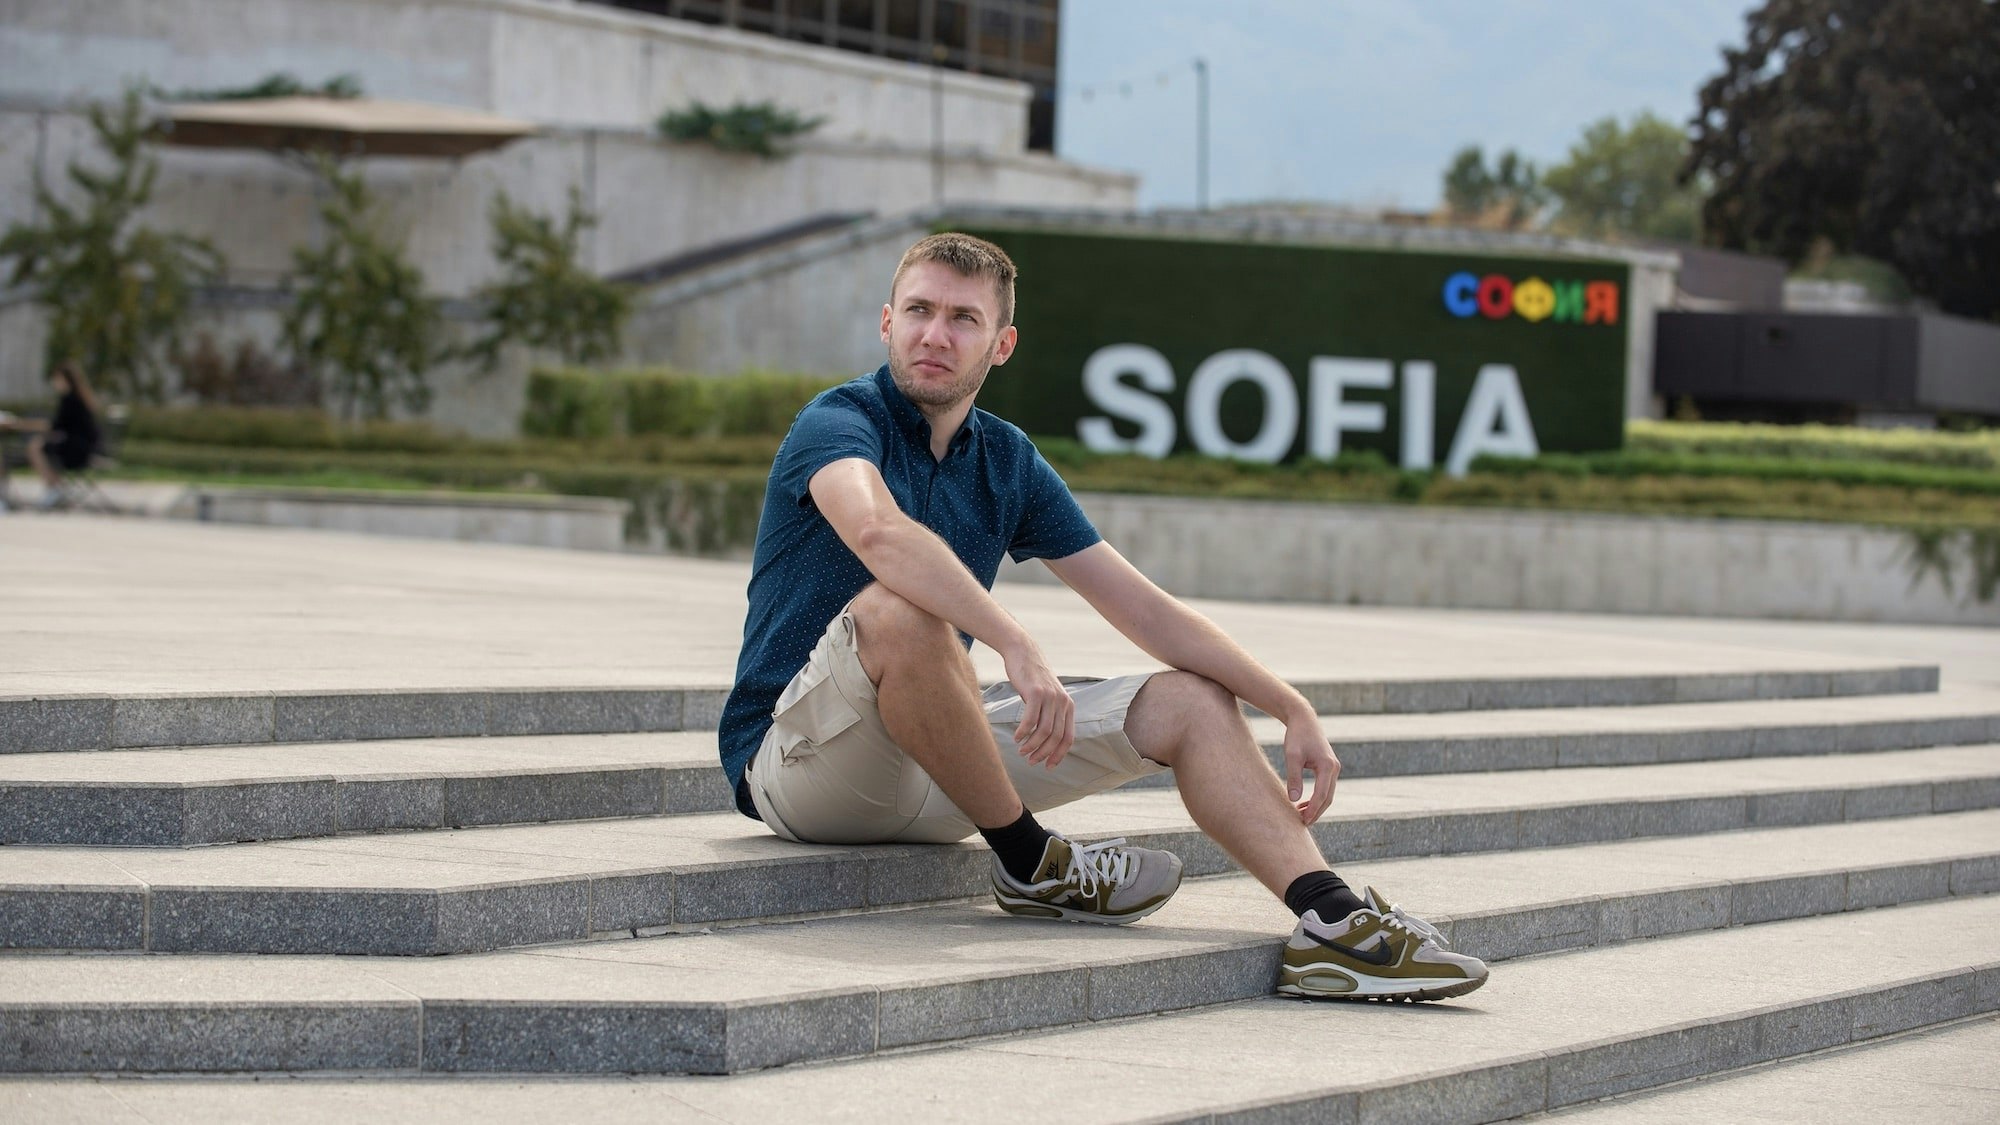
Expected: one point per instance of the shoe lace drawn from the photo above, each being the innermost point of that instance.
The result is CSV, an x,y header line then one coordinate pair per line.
x,y
1090,865
1426,933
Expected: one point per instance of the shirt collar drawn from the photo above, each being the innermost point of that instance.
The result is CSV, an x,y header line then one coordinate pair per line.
x,y
912,422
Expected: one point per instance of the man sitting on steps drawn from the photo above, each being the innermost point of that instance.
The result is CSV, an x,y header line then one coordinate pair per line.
x,y
856,717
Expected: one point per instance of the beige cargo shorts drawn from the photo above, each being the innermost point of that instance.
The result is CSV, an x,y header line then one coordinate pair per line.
x,y
827,772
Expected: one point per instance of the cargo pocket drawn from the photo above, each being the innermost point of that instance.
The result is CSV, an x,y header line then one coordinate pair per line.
x,y
810,713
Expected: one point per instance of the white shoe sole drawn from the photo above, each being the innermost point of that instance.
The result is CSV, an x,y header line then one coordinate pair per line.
x,y
1378,988
1033,908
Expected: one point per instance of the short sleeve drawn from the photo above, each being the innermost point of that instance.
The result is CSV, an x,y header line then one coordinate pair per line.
x,y
1052,524
829,429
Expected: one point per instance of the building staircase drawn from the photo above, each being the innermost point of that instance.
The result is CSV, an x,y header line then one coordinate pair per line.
x,y
391,898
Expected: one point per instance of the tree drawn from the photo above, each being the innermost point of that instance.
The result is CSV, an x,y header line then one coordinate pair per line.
x,y
545,299
1509,194
359,322
116,290
1871,125
1621,180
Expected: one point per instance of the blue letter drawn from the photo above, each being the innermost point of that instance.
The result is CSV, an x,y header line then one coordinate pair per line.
x,y
1460,291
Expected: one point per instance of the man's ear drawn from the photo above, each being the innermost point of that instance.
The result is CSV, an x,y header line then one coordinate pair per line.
x,y
1004,346
885,324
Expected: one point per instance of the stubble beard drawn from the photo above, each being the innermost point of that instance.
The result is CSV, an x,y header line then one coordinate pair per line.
x,y
961,387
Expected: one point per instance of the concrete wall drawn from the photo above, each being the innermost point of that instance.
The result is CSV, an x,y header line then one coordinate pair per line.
x,y
812,307
594,79
572,523
550,61
1514,560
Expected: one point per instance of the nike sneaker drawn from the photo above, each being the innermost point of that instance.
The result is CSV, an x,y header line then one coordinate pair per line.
x,y
1110,883
1376,953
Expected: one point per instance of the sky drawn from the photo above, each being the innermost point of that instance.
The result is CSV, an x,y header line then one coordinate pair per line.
x,y
1364,102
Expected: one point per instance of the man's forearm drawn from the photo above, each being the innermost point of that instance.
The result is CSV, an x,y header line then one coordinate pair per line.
x,y
1183,638
911,560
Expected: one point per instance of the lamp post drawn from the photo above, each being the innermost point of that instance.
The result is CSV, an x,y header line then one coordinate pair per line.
x,y
1201,134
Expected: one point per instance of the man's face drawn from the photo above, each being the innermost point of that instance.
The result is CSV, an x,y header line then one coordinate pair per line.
x,y
943,332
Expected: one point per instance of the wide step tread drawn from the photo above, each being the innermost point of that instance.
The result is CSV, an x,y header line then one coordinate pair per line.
x,y
485,888
1543,1033
946,972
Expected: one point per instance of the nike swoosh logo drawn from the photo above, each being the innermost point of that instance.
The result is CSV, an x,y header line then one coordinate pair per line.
x,y
1383,953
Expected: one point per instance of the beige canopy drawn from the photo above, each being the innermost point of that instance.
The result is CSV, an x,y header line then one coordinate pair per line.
x,y
343,126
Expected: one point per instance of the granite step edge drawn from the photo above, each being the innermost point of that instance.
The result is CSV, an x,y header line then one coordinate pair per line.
x,y
187,814
552,1035
101,721
642,900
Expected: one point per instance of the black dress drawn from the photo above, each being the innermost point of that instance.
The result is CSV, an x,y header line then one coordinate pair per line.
x,y
72,433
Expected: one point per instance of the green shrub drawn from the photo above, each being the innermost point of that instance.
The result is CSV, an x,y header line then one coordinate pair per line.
x,y
762,402
581,404
569,403
1861,473
669,407
755,127
1978,450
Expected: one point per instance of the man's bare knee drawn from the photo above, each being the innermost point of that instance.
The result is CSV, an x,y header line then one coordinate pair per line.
x,y
1176,711
889,628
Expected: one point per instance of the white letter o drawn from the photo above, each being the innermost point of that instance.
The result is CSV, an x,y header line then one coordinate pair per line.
x,y
1281,405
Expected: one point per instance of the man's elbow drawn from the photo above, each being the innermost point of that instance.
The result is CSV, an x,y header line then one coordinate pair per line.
x,y
877,534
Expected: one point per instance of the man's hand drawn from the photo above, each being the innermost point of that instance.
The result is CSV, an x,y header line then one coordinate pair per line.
x,y
1306,749
1048,714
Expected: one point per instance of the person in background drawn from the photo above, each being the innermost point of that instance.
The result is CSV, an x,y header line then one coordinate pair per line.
x,y
64,443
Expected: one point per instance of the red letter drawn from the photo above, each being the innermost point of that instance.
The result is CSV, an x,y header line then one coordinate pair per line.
x,y
1496,296
1600,302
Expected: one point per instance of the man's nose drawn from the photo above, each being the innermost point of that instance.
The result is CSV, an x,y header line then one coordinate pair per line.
x,y
936,333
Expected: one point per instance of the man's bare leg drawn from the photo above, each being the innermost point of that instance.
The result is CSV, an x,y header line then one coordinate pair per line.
x,y
1194,725
928,696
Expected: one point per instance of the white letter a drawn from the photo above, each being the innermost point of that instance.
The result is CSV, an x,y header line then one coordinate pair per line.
x,y
1495,421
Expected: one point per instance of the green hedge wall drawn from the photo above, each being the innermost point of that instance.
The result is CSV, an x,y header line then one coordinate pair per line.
x,y
580,403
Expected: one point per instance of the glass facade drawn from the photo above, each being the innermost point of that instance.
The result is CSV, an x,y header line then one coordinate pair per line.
x,y
1008,38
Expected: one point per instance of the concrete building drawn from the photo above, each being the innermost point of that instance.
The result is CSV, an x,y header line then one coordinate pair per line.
x,y
895,137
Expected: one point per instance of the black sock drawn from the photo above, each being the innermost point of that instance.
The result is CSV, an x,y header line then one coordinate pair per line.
x,y
1325,893
1019,846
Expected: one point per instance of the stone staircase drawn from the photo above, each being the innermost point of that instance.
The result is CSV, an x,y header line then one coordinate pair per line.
x,y
1677,876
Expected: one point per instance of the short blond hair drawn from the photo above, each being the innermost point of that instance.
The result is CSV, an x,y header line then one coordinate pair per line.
x,y
972,257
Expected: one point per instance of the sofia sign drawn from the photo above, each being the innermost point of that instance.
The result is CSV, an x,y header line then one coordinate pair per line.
x,y
1272,353
1495,419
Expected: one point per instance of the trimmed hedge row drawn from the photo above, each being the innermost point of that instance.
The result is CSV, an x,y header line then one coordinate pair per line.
x,y
568,468
1979,450
1630,464
581,404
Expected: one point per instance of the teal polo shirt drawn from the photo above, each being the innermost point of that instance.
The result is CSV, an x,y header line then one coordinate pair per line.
x,y
991,494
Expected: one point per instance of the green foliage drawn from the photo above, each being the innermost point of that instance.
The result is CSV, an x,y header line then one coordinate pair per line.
x,y
544,298
1947,552
577,403
1629,464
1978,450
359,321
1509,192
116,291
1870,125
756,127
281,84
1625,180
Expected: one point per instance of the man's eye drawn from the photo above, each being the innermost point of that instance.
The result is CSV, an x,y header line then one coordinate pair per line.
x,y
968,317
